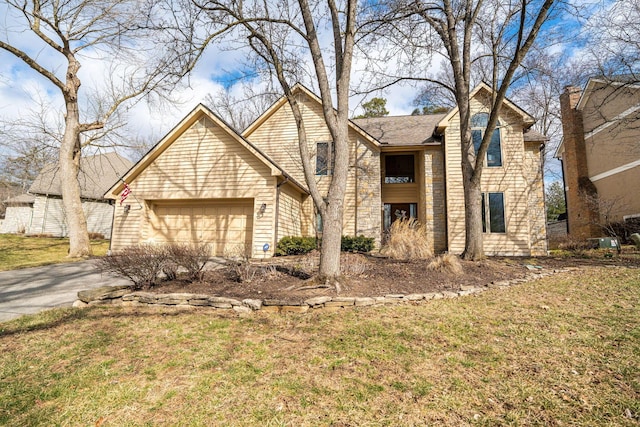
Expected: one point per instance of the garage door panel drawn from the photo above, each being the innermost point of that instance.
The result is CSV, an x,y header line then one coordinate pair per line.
x,y
224,225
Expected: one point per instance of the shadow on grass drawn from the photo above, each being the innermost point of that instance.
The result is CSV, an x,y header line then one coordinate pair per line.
x,y
50,319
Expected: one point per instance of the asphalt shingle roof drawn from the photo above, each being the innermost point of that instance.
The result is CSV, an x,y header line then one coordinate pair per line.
x,y
401,130
97,174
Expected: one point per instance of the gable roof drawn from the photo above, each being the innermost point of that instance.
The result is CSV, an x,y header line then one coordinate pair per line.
x,y
527,118
196,114
402,130
619,81
300,88
97,174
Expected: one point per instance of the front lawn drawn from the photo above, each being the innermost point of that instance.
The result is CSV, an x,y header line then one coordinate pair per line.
x,y
564,350
21,251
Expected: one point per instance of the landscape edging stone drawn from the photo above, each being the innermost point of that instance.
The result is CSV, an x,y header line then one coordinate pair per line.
x,y
116,295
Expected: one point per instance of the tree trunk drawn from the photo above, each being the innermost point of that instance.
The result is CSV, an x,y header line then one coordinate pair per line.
x,y
473,244
331,243
471,174
69,162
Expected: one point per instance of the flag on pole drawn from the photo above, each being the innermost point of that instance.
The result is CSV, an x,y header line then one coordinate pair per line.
x,y
125,193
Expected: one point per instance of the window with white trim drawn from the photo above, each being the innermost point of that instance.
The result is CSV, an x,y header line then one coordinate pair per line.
x,y
479,123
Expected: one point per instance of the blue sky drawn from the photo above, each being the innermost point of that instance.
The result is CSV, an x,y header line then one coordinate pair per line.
x,y
20,86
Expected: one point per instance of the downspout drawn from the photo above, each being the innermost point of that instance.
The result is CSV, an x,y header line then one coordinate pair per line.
x,y
277,213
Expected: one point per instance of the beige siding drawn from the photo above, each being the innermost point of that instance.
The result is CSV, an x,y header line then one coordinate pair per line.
x,y
368,193
613,151
290,213
510,179
277,136
619,195
204,162
434,197
614,147
605,102
536,210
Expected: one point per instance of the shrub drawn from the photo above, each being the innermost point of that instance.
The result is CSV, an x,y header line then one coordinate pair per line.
x,y
356,244
191,257
142,264
145,264
448,263
295,245
407,239
96,236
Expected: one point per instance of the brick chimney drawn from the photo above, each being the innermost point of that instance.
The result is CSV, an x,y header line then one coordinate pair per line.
x,y
580,191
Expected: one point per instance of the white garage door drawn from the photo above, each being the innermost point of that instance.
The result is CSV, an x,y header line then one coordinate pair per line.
x,y
224,224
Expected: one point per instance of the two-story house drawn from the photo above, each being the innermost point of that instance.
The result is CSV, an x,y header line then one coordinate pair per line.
x,y
204,182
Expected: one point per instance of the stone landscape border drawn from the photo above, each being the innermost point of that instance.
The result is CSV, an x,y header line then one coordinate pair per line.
x,y
122,295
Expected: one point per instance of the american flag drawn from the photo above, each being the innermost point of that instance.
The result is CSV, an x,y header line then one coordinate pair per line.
x,y
125,193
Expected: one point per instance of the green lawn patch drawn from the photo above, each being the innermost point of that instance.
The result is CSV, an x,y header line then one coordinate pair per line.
x,y
564,350
21,251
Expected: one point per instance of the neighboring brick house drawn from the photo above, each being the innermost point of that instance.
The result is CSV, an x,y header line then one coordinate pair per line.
x,y
600,155
40,211
204,182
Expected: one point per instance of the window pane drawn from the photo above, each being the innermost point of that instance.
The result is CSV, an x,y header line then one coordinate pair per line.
x,y
496,212
413,210
322,158
399,169
494,154
480,120
387,216
476,137
484,215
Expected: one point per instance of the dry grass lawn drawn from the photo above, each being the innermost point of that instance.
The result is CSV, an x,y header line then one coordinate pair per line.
x,y
23,251
564,350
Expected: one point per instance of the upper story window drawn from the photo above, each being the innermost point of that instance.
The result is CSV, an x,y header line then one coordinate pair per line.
x,y
478,125
325,155
399,169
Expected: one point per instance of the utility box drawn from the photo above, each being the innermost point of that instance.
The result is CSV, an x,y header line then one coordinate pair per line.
x,y
608,243
604,243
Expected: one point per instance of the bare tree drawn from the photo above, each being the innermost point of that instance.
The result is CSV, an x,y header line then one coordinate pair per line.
x,y
69,34
542,80
476,40
241,111
613,35
284,38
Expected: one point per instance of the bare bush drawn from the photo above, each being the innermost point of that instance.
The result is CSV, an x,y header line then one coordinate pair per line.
x,y
142,264
572,244
239,263
447,263
191,257
408,239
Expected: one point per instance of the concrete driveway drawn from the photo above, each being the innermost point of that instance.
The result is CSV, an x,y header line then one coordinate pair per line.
x,y
31,290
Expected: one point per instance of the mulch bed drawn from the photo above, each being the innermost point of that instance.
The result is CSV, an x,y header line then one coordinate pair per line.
x,y
288,278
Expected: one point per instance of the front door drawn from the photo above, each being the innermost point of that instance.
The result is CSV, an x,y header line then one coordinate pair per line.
x,y
396,211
